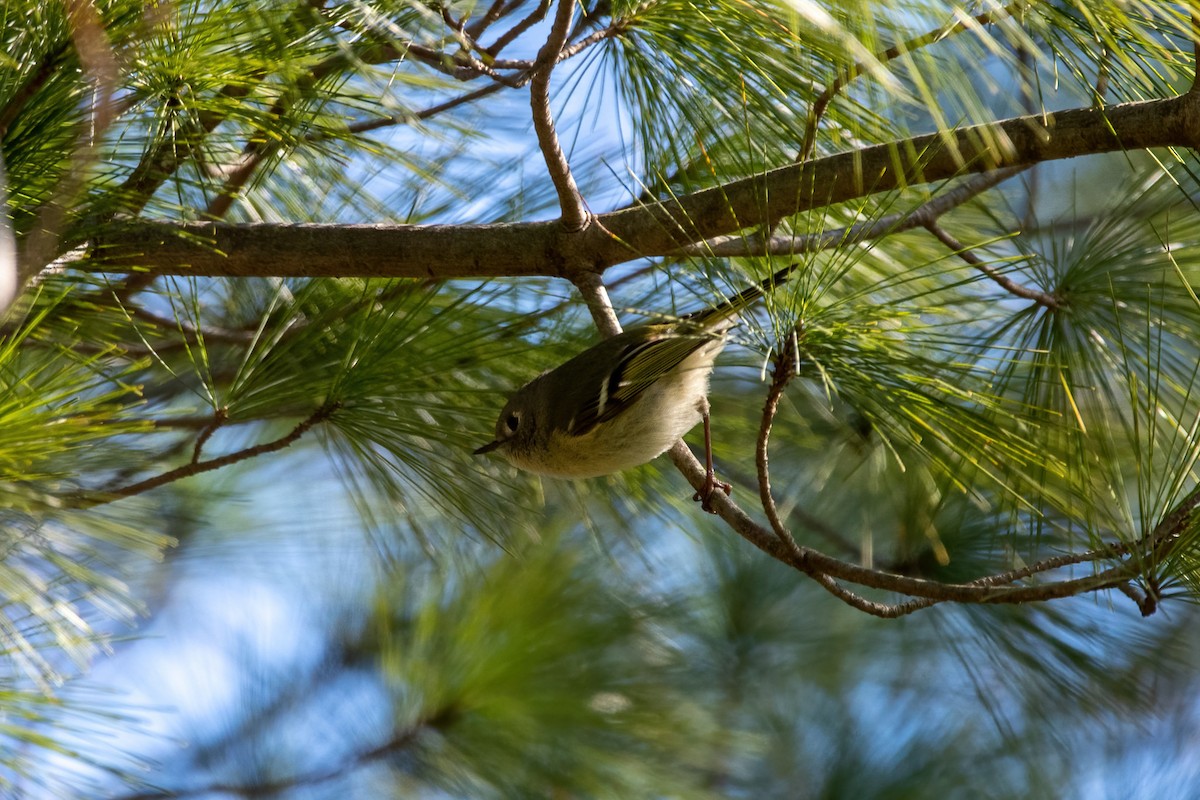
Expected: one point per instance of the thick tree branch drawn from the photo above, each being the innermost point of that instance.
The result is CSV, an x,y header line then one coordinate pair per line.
x,y
542,248
763,199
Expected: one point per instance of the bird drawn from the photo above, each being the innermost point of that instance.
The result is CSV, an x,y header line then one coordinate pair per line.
x,y
625,400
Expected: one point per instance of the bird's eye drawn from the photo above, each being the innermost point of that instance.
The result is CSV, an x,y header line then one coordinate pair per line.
x,y
511,422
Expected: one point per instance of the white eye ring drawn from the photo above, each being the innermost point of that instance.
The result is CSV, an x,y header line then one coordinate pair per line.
x,y
513,421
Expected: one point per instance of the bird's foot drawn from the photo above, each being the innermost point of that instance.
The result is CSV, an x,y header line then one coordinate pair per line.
x,y
705,495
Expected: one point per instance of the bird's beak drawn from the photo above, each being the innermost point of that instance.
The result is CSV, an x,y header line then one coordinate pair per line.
x,y
487,448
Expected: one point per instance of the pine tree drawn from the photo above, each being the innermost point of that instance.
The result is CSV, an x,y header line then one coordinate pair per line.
x,y
269,269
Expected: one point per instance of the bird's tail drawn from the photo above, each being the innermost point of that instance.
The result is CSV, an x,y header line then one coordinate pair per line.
x,y
733,306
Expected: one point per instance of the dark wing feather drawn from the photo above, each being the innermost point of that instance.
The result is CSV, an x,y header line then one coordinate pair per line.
x,y
639,365
642,361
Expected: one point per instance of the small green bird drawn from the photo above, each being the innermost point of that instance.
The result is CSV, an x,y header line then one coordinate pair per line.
x,y
623,401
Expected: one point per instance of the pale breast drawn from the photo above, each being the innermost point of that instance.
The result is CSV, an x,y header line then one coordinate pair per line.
x,y
646,429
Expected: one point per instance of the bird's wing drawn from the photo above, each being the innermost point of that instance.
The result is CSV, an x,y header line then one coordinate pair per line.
x,y
639,366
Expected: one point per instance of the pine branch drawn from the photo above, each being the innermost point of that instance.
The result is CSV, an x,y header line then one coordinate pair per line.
x,y
400,741
784,369
928,212
259,146
511,35
778,542
575,215
1006,283
50,63
544,248
595,296
890,54
196,467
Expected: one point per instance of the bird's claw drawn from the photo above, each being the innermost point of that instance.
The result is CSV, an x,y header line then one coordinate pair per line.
x,y
705,495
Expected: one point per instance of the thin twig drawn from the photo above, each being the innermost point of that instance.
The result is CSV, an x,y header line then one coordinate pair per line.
x,y
399,741
1003,281
368,125
591,288
755,245
51,62
785,370
872,607
1054,562
462,66
575,215
895,51
1145,602
218,419
455,25
196,468
190,333
974,592
616,29
509,36
498,9
468,45
235,181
